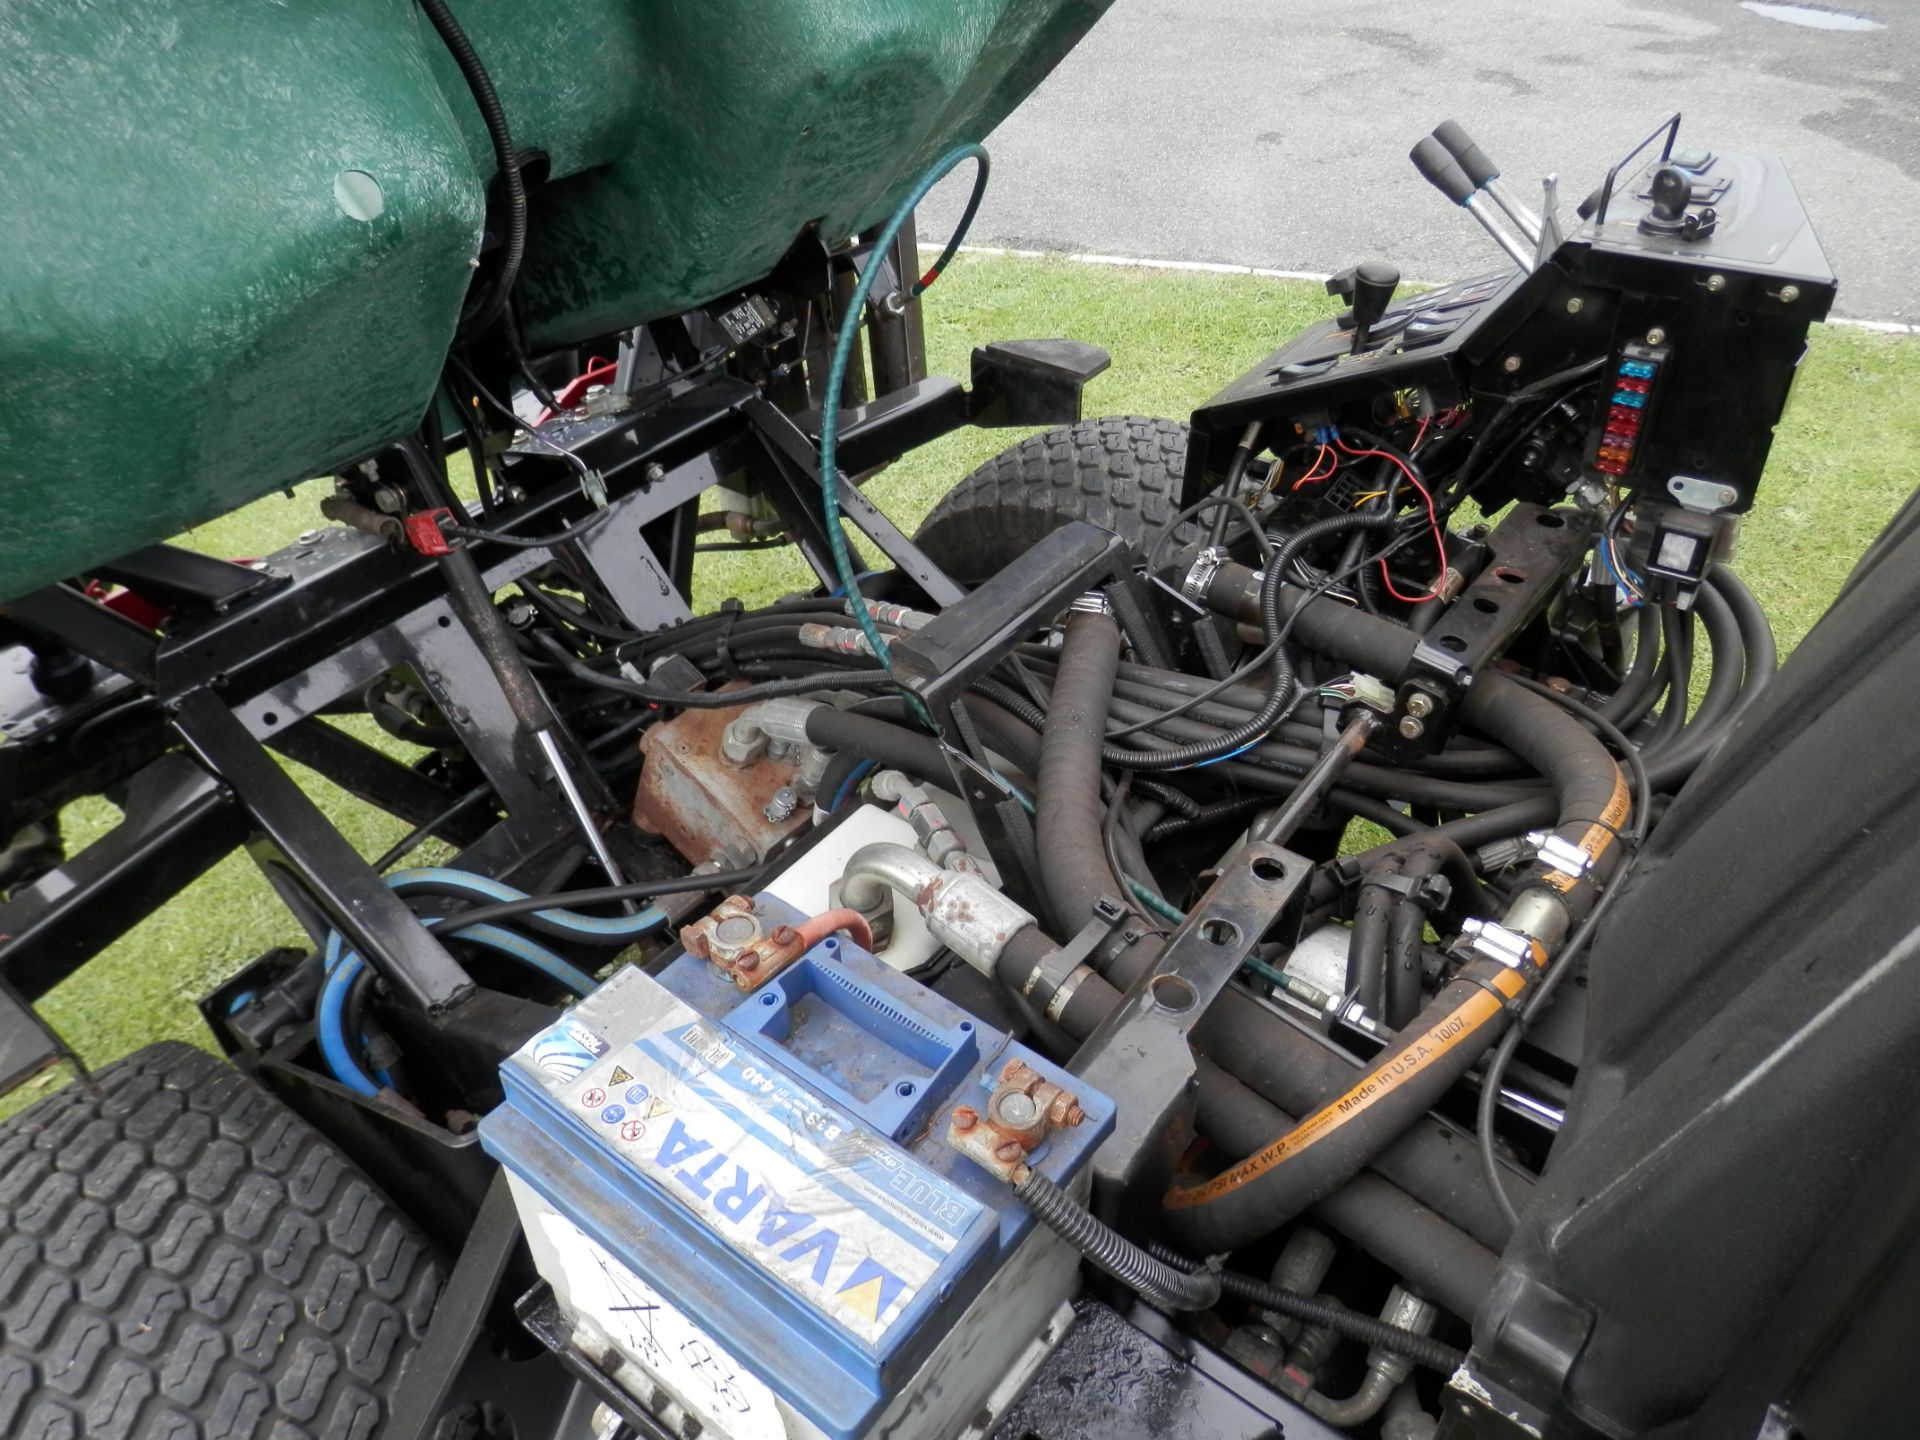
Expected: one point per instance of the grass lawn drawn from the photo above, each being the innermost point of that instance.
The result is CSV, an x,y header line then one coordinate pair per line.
x,y
1845,458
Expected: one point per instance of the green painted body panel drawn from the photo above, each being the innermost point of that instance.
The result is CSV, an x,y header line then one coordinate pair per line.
x,y
235,235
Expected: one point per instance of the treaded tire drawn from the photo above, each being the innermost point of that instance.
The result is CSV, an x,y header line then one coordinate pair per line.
x,y
1121,472
184,1258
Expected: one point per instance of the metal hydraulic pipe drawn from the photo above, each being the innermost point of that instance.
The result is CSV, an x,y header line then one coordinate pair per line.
x,y
1315,784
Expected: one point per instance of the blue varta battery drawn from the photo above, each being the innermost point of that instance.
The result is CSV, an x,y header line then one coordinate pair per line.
x,y
750,1214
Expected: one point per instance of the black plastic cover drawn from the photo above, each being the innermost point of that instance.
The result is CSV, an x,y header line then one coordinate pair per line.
x,y
1736,1191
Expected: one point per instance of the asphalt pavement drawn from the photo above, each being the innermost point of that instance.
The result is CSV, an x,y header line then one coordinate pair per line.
x,y
1275,133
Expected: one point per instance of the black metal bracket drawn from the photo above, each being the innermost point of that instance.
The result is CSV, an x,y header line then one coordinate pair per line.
x,y
1533,550
458,1315
186,580
1032,382
799,462
1140,1056
179,822
964,641
307,858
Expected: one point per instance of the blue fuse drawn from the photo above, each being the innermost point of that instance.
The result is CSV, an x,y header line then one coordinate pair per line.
x,y
1637,369
1629,399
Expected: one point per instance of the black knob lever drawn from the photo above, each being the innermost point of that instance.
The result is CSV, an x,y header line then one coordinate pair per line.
x,y
1472,159
1440,170
1368,290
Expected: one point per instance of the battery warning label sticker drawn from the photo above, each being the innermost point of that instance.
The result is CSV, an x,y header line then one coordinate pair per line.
x,y
696,1368
832,1212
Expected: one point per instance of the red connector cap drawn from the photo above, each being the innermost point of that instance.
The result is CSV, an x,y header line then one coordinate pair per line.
x,y
424,533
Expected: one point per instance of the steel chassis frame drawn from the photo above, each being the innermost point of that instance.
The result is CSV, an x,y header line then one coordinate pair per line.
x,y
255,658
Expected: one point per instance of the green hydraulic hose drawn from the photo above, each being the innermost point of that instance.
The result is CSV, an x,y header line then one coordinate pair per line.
x,y
837,376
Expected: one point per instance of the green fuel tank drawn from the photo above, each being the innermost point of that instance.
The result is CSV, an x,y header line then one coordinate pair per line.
x,y
236,235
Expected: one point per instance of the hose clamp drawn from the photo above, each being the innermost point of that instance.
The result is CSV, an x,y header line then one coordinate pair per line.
x,y
1492,941
1558,853
1199,576
1057,975
1091,602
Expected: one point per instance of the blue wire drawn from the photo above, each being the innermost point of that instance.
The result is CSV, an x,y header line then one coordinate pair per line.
x,y
854,777
841,589
343,965
483,888
330,1022
1201,765
1615,571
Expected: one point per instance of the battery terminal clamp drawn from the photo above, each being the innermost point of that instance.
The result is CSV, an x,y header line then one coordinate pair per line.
x,y
1023,1110
738,944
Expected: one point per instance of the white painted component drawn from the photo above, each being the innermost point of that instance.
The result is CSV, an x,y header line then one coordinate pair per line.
x,y
804,884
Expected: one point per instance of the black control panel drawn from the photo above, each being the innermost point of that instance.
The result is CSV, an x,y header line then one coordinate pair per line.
x,y
1667,324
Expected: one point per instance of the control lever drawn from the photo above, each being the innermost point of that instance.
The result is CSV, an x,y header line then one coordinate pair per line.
x,y
1367,288
1485,175
1436,163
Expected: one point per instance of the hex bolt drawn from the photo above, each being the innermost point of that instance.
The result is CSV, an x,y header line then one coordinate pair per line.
x,y
1656,336
1728,494
1576,305
1789,293
655,473
1716,283
1510,364
1016,1107
1419,704
1411,728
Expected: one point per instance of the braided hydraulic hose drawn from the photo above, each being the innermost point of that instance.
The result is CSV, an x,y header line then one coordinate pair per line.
x,y
1157,1282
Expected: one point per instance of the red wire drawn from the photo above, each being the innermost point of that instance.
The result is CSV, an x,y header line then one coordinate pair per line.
x,y
1419,434
597,370
1433,519
1313,476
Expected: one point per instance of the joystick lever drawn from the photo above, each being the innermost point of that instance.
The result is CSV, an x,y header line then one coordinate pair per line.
x,y
1439,169
1368,289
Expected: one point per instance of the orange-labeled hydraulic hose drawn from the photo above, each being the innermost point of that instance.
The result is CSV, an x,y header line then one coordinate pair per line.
x,y
1431,1042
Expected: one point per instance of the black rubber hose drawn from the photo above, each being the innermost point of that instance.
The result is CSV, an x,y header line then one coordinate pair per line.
x,y
1636,691
1157,1282
1067,811
1367,944
1436,1251
1470,896
1727,675
487,99
1385,781
1676,628
1281,693
1392,1223
1420,1348
1329,1147
1292,1072
893,746
713,699
1366,642
1405,931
